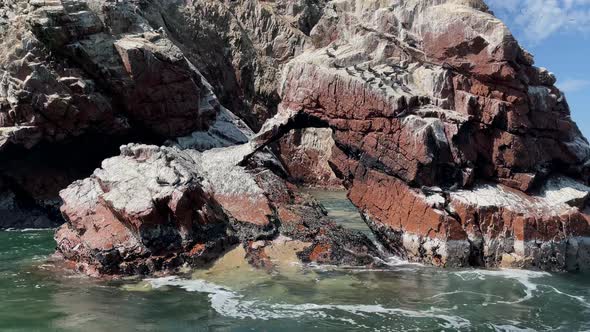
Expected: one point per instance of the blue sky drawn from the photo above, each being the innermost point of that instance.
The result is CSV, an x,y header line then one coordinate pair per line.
x,y
557,32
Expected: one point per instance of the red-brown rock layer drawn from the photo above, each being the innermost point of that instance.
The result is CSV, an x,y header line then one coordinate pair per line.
x,y
442,104
306,155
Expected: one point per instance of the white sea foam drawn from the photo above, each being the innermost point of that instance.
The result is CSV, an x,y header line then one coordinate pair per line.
x,y
510,328
580,299
464,292
392,263
231,304
26,230
391,260
524,277
507,273
395,261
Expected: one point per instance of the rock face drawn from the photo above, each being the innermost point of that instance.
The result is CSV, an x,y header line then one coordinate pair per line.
x,y
432,104
306,153
94,72
77,69
456,149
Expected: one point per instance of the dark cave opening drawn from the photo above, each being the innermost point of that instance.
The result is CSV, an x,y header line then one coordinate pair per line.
x,y
30,179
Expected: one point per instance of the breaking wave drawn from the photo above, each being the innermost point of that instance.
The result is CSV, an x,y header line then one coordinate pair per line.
x,y
525,278
28,230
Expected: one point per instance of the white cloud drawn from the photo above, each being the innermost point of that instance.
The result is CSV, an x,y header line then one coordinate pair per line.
x,y
573,85
539,19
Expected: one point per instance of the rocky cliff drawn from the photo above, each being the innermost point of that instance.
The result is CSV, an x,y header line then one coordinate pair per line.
x,y
456,149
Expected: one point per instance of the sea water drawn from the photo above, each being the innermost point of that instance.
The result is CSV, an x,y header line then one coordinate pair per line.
x,y
232,296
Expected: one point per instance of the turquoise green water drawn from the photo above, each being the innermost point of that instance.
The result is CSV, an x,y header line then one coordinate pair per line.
x,y
341,209
35,296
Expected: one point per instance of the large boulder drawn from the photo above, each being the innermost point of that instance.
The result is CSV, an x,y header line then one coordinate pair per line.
x,y
154,209
136,210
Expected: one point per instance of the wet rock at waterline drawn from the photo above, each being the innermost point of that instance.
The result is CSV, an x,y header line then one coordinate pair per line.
x,y
490,225
456,149
155,209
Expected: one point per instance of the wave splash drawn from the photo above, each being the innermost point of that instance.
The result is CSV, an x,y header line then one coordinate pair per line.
x,y
231,304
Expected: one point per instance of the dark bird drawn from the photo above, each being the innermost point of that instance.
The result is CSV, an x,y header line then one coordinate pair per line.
x,y
431,190
373,70
404,113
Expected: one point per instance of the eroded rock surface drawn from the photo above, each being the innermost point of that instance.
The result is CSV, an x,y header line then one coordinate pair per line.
x,y
428,101
306,155
96,72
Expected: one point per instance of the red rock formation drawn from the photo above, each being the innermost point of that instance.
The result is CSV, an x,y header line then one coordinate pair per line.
x,y
306,154
441,100
101,75
247,42
455,147
114,74
138,214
